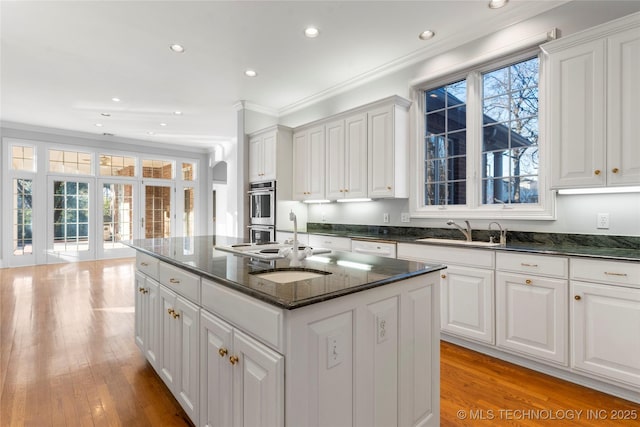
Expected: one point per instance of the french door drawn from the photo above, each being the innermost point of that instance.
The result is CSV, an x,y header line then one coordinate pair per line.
x,y
118,220
158,215
70,224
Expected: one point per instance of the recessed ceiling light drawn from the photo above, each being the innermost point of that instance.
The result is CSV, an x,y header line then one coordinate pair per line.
x,y
497,4
151,133
99,125
177,113
311,32
163,124
178,48
250,73
426,35
105,114
114,99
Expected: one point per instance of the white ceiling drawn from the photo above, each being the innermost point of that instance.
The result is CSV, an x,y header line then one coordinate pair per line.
x,y
62,62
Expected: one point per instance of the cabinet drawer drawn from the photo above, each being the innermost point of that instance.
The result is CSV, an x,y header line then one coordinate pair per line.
x,y
180,281
330,242
283,236
446,255
612,272
540,265
374,248
147,264
263,321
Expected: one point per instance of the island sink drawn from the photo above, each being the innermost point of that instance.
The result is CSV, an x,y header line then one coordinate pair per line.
x,y
290,275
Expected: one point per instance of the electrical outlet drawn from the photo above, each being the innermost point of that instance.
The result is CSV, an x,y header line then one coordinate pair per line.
x,y
382,326
602,221
404,217
335,350
385,218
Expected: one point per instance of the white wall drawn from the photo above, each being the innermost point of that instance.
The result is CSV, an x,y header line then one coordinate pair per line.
x,y
575,214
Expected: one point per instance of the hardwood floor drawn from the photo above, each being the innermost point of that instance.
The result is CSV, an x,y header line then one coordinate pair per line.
x,y
68,358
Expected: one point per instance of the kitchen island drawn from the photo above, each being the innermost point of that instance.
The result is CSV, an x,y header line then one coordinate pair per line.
x,y
351,340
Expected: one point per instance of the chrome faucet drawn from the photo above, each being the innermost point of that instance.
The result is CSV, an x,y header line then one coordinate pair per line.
x,y
294,249
467,232
503,233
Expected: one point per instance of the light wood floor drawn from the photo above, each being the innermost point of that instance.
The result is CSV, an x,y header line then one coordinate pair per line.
x,y
68,358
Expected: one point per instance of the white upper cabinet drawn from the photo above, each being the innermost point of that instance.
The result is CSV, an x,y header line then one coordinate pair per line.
x,y
347,157
309,164
594,105
270,158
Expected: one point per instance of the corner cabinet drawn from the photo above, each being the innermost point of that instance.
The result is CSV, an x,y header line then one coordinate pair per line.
x,y
593,105
309,164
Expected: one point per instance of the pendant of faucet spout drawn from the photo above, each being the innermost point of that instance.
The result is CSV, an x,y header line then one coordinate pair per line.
x,y
467,232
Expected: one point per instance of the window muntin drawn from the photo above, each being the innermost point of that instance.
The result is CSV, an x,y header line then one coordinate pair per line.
x,y
446,145
111,165
22,216
510,134
70,216
162,169
74,162
23,158
117,212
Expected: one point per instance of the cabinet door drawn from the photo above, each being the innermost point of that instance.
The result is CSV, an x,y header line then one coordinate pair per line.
x,y
269,156
187,316
577,115
258,384
168,339
153,345
355,174
316,163
141,311
300,183
623,126
381,152
216,339
256,149
532,316
466,303
335,176
605,324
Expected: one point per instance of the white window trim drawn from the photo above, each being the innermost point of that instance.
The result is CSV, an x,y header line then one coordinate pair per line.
x,y
474,209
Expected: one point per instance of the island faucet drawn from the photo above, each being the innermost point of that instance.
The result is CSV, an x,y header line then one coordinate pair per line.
x,y
294,261
503,233
467,232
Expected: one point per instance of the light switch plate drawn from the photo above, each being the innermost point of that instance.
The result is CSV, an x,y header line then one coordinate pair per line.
x,y
404,217
335,350
602,221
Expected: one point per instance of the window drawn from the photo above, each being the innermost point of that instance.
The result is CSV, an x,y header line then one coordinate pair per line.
x,y
22,158
481,143
162,169
74,162
188,172
117,165
22,216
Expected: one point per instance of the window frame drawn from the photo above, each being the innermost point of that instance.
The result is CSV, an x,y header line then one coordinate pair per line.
x,y
474,208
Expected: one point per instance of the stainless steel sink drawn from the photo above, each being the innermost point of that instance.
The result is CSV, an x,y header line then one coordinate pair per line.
x,y
458,242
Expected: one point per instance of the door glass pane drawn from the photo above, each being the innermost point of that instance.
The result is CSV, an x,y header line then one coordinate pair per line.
x,y
189,212
157,211
117,214
22,214
188,171
70,216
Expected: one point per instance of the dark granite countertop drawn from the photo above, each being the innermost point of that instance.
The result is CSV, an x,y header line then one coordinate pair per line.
x,y
615,248
349,272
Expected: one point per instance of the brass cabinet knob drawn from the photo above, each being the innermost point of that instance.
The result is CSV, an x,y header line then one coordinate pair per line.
x,y
615,170
346,191
528,281
141,290
577,298
596,172
170,311
443,276
341,190
222,351
233,360
388,187
175,314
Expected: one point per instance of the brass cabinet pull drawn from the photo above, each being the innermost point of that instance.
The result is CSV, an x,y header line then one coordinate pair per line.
x,y
170,311
525,264
577,298
596,172
174,281
141,290
175,314
233,360
528,281
346,190
222,351
609,273
615,170
388,187
144,264
443,276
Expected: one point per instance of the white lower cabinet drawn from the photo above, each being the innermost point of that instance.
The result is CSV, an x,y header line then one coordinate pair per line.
x,y
605,316
242,379
147,312
179,367
532,310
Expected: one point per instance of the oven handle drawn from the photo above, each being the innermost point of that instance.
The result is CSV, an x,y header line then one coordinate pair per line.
x,y
261,191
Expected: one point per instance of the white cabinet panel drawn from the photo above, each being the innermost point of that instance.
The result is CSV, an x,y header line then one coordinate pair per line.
x,y
347,157
330,242
309,164
187,349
